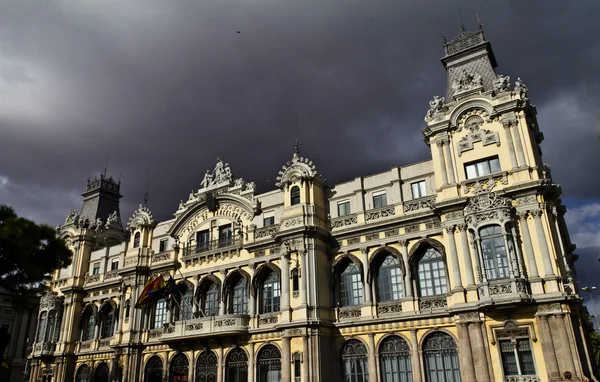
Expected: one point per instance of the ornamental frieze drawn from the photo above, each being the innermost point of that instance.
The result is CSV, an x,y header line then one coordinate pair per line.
x,y
380,213
425,203
392,308
344,221
266,232
226,209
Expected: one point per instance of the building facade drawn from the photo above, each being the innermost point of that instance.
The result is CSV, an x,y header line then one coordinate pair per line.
x,y
459,268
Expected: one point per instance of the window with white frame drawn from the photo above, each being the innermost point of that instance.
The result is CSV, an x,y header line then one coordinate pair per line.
x,y
517,358
268,218
114,265
379,199
96,269
482,167
162,245
418,189
343,208
160,313
494,251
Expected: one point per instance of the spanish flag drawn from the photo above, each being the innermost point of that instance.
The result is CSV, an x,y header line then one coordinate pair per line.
x,y
151,285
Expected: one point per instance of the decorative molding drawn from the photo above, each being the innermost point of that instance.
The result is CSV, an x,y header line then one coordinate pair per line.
x,y
392,232
141,218
497,289
487,205
346,313
266,232
433,225
297,168
418,204
469,316
412,228
354,240
512,329
433,303
293,222
268,319
501,83
344,221
225,322
389,308
161,257
379,213
111,274
549,308
372,236
466,81
476,134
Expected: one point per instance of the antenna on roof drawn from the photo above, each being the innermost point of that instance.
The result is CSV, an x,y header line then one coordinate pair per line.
x,y
146,197
462,24
105,166
297,145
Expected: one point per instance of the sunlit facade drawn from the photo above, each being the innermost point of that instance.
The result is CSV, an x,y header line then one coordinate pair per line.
x,y
459,268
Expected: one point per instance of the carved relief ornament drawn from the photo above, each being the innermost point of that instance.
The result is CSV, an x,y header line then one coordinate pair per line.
x,y
487,205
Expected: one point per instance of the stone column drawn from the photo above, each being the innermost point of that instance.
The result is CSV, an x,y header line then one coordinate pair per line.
x,y
479,353
526,236
303,276
122,303
97,328
519,146
285,286
509,254
195,281
166,366
407,276
286,369
251,363
466,356
548,348
518,253
365,261
456,280
221,294
125,367
372,360
220,364
481,263
415,357
541,237
449,161
464,241
305,359
442,162
510,145
252,299
562,345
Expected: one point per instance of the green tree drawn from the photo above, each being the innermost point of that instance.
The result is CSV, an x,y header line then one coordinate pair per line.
x,y
29,252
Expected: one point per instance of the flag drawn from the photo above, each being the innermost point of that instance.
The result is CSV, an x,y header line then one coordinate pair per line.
x,y
151,292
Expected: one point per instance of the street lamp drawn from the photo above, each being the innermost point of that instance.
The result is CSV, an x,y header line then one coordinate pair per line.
x,y
590,290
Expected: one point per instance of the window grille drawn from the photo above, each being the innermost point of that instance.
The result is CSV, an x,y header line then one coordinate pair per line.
x,y
441,358
355,367
269,364
394,358
237,366
83,374
211,300
206,367
239,298
153,370
178,368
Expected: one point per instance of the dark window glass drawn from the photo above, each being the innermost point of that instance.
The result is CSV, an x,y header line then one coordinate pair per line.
x,y
351,292
269,221
101,372
482,167
114,265
441,358
206,367
343,208
432,274
225,235
295,195
355,362
295,281
90,327
136,240
163,245
42,326
237,366
179,368
297,371
389,280
517,358
269,364
211,300
108,322
239,298
394,358
202,240
83,374
379,200
50,331
494,252
271,293
185,306
153,370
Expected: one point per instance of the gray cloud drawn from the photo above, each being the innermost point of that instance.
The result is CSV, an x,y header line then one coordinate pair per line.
x,y
171,85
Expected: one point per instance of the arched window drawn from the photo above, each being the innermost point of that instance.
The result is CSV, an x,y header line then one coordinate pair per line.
x,y
432,274
389,280
136,240
493,249
295,195
269,364
108,322
83,374
441,358
271,293
206,367
42,326
237,366
355,362
296,282
101,372
89,326
160,313
351,291
239,297
185,304
211,300
50,329
394,358
153,370
178,368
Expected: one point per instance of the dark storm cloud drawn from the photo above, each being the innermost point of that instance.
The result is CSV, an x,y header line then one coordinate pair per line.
x,y
171,85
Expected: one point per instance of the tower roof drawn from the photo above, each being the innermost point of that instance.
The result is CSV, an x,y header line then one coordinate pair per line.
x,y
101,199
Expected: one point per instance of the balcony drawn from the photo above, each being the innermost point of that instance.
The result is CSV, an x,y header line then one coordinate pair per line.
x,y
44,348
204,252
207,326
521,378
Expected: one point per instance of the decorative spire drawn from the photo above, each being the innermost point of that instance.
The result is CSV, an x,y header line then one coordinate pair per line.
x,y
146,197
297,146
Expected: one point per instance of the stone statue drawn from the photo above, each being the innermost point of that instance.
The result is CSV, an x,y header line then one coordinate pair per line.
x,y
466,81
239,182
72,217
435,106
521,88
226,176
501,83
208,179
191,197
250,186
181,207
218,172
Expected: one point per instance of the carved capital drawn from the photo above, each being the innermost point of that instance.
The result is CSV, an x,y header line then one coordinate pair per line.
x,y
450,229
364,250
537,213
403,242
462,227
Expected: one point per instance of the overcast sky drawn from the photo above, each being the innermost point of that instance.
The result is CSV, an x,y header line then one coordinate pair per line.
x,y
170,85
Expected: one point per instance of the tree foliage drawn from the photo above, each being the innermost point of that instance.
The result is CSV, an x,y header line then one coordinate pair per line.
x,y
29,252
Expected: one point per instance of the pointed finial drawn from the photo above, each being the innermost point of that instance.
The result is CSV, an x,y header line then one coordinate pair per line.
x,y
146,197
297,146
105,167
462,24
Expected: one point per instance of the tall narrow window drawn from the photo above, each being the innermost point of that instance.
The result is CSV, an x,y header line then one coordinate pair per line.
x,y
206,367
114,265
494,252
42,326
295,282
343,208
83,374
394,358
297,369
351,292
441,358
239,297
160,313
379,199
211,300
185,307
269,364
179,368
418,189
517,358
389,280
355,362
202,240
295,195
108,323
432,274
101,372
271,293
225,236
89,327
237,366
136,240
153,370
50,331
162,245
96,269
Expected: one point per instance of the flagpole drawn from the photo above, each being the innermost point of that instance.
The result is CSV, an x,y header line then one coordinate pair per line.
x,y
183,279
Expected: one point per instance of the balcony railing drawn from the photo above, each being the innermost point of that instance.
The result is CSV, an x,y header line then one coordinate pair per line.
x,y
207,326
211,246
44,348
521,378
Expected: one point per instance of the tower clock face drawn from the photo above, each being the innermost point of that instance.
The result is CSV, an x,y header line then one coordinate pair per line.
x,y
211,202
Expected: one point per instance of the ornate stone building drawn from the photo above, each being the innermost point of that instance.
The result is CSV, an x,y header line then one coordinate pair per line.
x,y
459,268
